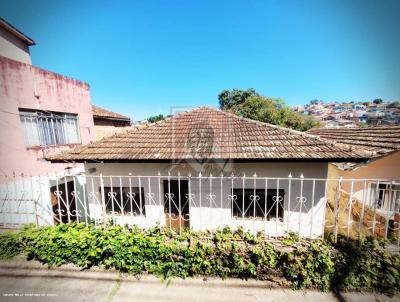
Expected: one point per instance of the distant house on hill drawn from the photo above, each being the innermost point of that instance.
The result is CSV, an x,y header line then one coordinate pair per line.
x,y
338,123
107,122
359,107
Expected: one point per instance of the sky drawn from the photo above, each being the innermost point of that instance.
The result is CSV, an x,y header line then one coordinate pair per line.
x,y
142,58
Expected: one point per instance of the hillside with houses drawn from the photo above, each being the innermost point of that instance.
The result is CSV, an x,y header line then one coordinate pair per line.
x,y
350,114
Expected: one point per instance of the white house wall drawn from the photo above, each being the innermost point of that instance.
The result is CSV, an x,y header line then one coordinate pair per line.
x,y
215,212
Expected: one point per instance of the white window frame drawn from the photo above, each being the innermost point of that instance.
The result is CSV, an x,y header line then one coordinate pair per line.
x,y
391,196
44,128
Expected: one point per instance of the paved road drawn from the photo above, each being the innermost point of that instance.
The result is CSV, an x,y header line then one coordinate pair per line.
x,y
29,281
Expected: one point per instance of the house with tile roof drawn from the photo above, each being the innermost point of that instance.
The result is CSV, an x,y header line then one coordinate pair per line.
x,y
107,122
207,168
379,178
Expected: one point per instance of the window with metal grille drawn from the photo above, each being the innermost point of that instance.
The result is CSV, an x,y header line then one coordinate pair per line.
x,y
258,205
124,200
42,128
386,196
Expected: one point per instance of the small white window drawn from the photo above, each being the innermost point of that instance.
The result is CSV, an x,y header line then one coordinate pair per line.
x,y
385,196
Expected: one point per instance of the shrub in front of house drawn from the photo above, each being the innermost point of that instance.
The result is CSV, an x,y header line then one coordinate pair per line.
x,y
344,265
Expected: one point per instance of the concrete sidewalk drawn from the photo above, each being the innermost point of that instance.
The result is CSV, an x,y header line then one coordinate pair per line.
x,y
22,280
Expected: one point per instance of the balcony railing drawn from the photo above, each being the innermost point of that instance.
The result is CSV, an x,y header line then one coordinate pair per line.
x,y
310,207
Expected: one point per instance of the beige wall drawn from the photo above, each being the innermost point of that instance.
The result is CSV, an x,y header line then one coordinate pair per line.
x,y
13,48
102,131
385,168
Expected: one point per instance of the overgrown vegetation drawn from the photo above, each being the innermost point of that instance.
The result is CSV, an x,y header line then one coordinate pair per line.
x,y
345,265
249,104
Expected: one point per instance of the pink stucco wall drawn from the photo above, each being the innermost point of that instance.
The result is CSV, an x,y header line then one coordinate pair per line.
x,y
19,83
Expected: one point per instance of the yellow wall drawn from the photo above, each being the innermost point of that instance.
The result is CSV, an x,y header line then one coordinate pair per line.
x,y
104,131
385,168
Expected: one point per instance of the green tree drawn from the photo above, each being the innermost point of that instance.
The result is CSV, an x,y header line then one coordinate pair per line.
x,y
155,118
377,101
272,111
234,97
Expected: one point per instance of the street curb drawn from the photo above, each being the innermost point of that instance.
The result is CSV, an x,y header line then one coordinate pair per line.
x,y
20,267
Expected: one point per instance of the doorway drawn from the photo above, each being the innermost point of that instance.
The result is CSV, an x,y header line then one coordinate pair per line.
x,y
176,204
63,203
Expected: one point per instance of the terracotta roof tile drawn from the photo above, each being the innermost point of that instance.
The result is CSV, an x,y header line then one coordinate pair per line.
x,y
207,133
103,113
379,139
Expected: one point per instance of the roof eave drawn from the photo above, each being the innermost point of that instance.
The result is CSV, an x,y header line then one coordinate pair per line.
x,y
121,119
10,28
189,160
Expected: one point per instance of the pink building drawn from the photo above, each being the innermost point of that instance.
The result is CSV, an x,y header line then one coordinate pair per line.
x,y
40,111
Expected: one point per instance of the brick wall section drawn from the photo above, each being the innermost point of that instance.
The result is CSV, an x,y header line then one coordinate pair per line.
x,y
368,216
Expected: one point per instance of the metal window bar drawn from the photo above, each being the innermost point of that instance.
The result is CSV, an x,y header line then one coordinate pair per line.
x,y
160,199
210,199
179,203
201,209
221,198
312,208
300,202
277,207
121,197
375,207
325,209
350,209
254,201
289,197
336,209
169,199
51,128
265,204
364,194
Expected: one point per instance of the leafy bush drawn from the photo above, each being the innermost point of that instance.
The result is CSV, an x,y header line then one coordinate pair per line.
x,y
10,245
303,263
365,264
310,266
